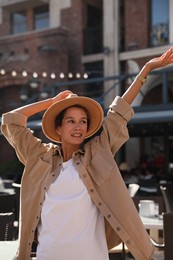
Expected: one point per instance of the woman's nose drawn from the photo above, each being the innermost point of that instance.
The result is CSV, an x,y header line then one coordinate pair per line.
x,y
77,127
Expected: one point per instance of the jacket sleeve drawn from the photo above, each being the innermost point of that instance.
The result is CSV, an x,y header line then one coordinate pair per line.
x,y
115,132
21,138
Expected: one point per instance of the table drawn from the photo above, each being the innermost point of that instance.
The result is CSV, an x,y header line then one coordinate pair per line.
x,y
8,249
153,224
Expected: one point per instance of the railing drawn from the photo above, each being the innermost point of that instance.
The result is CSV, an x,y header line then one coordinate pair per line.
x,y
121,80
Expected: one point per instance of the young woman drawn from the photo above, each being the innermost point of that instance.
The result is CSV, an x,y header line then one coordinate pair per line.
x,y
73,199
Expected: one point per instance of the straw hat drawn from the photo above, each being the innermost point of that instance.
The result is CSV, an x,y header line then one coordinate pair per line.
x,y
94,109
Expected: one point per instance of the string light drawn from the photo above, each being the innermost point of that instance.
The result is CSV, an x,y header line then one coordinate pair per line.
x,y
24,73
70,75
52,75
85,76
61,75
35,75
2,71
14,73
44,74
78,75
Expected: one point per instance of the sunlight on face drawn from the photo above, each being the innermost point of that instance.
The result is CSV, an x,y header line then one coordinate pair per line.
x,y
73,129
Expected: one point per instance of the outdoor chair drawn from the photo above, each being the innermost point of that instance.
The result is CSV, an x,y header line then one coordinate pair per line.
x,y
7,202
166,246
119,252
148,187
7,226
17,187
167,198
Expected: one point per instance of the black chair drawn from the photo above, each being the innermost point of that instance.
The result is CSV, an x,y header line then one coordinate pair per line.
x,y
17,187
7,226
7,184
168,236
148,187
7,202
167,198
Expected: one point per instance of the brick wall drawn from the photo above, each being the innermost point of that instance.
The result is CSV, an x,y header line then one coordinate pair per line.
x,y
24,51
72,18
137,22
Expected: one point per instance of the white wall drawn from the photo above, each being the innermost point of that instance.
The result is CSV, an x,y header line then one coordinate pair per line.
x,y
55,11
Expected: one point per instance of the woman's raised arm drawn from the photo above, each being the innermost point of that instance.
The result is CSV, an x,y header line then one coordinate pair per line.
x,y
34,108
158,62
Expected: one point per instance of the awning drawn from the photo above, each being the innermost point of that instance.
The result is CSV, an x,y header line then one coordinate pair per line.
x,y
138,118
152,117
34,124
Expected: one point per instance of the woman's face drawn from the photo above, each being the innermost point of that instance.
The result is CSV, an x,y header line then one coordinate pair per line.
x,y
74,126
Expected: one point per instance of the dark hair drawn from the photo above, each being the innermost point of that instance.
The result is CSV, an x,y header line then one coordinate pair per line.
x,y
60,116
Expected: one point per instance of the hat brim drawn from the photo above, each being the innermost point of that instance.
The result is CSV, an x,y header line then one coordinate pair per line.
x,y
94,109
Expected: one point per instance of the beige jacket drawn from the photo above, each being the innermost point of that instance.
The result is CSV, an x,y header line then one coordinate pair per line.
x,y
98,170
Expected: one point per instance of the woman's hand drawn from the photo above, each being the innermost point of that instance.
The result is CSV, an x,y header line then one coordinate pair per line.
x,y
61,96
158,62
164,60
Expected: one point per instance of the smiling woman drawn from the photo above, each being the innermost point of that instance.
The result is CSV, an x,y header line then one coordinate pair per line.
x,y
73,197
55,113
73,130
60,116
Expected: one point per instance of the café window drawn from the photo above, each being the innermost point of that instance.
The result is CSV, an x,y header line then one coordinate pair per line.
x,y
41,17
18,22
159,22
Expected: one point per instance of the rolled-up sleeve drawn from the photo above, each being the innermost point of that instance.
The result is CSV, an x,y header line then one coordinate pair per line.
x,y
13,127
14,118
122,108
115,132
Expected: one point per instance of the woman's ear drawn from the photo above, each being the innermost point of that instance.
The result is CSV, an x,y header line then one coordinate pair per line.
x,y
58,130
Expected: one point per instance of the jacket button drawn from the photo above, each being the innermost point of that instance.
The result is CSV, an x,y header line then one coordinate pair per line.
x,y
84,175
109,216
91,190
77,163
100,203
118,228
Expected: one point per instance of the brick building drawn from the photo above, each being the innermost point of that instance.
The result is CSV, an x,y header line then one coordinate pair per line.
x,y
87,45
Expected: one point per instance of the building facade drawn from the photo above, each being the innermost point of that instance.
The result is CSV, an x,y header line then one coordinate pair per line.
x,y
95,48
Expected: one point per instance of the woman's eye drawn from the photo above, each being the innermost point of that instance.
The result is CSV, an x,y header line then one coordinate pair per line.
x,y
84,121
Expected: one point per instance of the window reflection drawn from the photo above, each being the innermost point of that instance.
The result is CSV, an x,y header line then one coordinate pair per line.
x,y
159,22
41,17
18,22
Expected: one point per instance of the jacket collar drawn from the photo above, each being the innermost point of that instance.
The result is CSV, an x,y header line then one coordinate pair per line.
x,y
58,152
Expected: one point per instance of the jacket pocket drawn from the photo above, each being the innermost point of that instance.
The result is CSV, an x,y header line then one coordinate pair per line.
x,y
99,169
38,170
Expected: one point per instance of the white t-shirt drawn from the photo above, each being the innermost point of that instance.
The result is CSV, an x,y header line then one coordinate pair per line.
x,y
71,226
